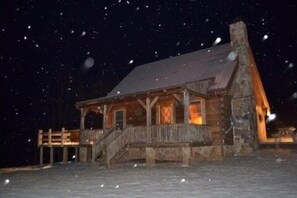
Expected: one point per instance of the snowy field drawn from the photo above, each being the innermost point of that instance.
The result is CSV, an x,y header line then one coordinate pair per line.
x,y
267,174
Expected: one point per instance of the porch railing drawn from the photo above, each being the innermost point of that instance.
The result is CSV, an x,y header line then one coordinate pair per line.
x,y
90,136
159,134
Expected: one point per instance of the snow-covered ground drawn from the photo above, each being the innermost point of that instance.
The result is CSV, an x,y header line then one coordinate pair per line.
x,y
267,174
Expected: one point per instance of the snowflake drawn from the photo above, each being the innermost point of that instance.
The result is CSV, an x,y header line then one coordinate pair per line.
x,y
265,37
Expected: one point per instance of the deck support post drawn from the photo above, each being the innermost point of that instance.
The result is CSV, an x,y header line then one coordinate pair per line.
x,y
41,156
76,153
150,155
65,155
186,153
51,155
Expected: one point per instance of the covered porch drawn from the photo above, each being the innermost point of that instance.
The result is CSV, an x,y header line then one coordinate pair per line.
x,y
166,117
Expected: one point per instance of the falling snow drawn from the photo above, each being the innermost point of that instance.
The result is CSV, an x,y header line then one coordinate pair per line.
x,y
265,37
42,45
217,41
83,33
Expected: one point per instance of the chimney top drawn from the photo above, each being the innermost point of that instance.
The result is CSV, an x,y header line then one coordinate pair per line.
x,y
237,19
238,34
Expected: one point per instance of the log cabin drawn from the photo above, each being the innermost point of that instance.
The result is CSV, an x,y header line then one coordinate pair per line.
x,y
203,105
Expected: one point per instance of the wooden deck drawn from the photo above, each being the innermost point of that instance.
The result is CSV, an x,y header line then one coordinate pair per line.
x,y
63,139
285,138
113,141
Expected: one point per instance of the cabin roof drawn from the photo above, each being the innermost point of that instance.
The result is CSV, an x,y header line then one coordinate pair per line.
x,y
212,63
217,63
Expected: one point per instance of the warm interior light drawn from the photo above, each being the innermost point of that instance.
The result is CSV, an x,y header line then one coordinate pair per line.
x,y
195,113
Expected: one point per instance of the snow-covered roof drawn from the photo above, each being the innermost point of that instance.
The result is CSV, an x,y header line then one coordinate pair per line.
x,y
216,63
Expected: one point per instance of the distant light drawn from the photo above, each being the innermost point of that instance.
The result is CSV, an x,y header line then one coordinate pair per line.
x,y
265,37
271,117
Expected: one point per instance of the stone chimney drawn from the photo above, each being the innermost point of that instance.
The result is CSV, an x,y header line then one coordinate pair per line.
x,y
240,44
238,34
245,129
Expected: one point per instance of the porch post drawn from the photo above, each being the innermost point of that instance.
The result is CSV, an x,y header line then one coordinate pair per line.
x,y
104,118
148,119
83,113
186,106
148,112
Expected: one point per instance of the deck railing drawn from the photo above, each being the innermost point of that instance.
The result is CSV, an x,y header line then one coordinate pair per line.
x,y
58,138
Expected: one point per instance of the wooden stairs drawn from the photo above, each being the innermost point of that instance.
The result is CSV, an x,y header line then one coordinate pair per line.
x,y
110,147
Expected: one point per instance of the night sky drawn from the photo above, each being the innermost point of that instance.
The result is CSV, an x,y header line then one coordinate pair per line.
x,y
56,53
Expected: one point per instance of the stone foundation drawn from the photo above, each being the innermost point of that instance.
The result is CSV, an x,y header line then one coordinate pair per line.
x,y
196,154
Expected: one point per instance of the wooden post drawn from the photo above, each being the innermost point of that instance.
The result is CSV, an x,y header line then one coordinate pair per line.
x,y
41,156
65,155
83,113
93,154
51,156
39,137
76,154
50,137
186,110
186,153
186,106
150,155
148,112
105,118
62,136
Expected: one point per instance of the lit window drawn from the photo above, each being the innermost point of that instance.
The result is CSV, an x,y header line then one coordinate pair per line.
x,y
166,114
195,113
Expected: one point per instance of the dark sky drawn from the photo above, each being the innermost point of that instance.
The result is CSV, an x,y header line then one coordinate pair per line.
x,y
55,53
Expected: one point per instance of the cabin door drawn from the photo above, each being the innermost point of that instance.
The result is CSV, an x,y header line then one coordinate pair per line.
x,y
119,119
